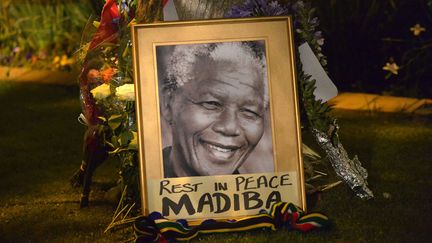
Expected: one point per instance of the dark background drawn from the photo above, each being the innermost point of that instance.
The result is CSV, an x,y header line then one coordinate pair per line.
x,y
362,35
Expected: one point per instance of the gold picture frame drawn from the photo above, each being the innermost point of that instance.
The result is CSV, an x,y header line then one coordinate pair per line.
x,y
225,196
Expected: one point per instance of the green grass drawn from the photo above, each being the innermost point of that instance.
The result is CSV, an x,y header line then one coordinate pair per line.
x,y
40,148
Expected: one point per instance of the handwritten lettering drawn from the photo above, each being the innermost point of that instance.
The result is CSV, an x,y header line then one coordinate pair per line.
x,y
177,188
251,182
219,202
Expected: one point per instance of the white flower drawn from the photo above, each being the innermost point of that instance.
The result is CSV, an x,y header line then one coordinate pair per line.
x,y
101,92
126,92
391,67
417,29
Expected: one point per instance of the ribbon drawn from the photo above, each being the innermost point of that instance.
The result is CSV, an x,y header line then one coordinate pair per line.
x,y
83,120
156,228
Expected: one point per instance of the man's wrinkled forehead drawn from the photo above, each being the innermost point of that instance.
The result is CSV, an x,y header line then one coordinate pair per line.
x,y
217,82
228,72
200,62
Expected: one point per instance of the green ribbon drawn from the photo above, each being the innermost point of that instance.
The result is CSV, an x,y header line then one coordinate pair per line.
x,y
155,228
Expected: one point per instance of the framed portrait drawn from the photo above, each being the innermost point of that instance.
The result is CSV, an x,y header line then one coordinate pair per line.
x,y
218,117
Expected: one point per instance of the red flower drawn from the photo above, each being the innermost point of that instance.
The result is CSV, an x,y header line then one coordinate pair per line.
x,y
107,30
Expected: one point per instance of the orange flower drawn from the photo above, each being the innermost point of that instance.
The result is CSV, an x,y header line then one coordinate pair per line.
x,y
93,75
108,73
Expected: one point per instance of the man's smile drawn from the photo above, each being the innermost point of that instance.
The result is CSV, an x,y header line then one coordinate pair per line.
x,y
220,151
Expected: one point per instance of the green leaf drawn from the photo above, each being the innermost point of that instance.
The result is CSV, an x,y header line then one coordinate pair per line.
x,y
125,138
323,109
110,144
115,121
102,118
114,117
114,141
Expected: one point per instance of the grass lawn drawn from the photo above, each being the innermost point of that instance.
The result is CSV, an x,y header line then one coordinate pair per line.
x,y
40,148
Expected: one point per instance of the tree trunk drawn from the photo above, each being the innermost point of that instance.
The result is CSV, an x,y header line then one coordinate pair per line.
x,y
203,9
149,11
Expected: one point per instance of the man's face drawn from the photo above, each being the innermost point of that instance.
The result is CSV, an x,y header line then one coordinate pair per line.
x,y
217,119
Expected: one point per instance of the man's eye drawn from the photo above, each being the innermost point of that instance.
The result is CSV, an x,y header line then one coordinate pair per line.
x,y
250,114
211,105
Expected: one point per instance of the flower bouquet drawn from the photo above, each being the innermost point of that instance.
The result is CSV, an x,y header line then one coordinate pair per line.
x,y
107,97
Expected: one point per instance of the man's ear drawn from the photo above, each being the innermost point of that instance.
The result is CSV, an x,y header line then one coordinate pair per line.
x,y
166,104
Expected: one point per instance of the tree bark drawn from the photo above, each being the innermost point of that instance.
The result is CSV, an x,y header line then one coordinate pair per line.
x,y
149,11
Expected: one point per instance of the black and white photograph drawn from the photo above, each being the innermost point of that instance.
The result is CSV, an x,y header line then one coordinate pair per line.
x,y
217,111
214,109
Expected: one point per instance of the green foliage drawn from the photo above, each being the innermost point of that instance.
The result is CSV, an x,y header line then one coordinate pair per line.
x,y
316,112
115,121
118,131
125,138
307,31
118,121
40,29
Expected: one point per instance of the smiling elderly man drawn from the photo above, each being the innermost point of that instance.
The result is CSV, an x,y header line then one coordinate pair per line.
x,y
215,99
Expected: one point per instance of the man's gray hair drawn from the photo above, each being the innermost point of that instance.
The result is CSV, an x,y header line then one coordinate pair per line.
x,y
184,58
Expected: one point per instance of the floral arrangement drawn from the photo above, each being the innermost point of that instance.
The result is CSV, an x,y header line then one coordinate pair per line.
x,y
107,96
